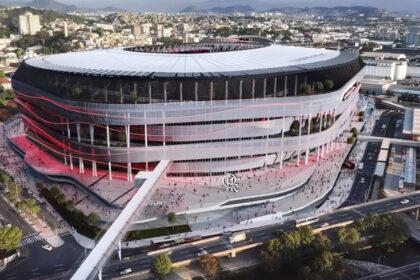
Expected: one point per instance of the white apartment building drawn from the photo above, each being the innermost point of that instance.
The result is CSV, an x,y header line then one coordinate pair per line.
x,y
385,65
29,24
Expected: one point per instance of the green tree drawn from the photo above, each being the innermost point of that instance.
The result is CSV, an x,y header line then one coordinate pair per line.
x,y
350,140
28,206
93,218
60,198
70,205
210,265
39,185
307,89
162,266
172,218
10,238
321,243
348,238
4,180
54,191
2,75
77,92
14,191
319,86
326,263
328,84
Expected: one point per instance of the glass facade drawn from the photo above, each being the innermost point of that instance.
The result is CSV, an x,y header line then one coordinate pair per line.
x,y
132,90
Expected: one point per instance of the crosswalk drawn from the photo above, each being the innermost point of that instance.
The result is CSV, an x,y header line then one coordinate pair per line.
x,y
37,237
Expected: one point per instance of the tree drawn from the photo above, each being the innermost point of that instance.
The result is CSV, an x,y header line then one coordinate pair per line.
x,y
353,130
60,198
350,140
361,114
10,238
4,180
2,75
28,206
39,185
93,218
307,89
348,238
172,218
211,265
70,205
77,92
328,84
319,86
162,266
321,243
54,191
14,191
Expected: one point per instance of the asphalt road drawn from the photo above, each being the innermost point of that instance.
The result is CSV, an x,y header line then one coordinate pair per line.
x,y
37,263
12,217
41,264
407,272
187,251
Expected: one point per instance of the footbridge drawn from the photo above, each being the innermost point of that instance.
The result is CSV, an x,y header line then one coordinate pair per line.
x,y
111,241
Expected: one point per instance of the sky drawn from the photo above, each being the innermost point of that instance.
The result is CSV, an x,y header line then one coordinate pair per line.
x,y
176,5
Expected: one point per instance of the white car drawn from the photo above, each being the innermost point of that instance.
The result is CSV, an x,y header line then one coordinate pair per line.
x,y
126,271
47,247
325,225
201,252
362,180
404,201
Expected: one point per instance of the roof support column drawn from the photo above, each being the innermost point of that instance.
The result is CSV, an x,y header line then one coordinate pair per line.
x,y
92,141
149,87
180,91
196,91
211,91
285,85
275,87
240,89
296,84
165,93
253,89
226,90
265,87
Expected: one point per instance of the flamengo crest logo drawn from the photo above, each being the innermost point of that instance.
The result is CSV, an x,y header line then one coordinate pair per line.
x,y
231,182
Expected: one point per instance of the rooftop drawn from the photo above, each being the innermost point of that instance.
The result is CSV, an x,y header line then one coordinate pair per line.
x,y
254,61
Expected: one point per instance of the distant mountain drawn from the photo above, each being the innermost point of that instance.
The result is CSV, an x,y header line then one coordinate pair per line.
x,y
233,9
334,11
245,9
63,8
193,9
318,11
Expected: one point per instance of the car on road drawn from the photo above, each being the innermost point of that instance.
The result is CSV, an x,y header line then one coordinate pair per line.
x,y
126,271
362,180
404,201
391,161
325,225
47,247
201,252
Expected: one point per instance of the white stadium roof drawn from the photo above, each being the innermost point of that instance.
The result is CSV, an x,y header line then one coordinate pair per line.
x,y
251,61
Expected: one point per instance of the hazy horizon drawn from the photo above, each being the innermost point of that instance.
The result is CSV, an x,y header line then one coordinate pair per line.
x,y
174,6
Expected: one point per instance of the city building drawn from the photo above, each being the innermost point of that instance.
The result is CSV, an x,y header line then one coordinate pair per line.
x,y
136,30
390,66
219,107
413,36
29,24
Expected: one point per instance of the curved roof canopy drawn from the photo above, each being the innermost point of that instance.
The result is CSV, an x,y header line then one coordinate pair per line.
x,y
123,62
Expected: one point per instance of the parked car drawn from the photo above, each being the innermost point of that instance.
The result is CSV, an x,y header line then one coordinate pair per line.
x,y
201,252
126,271
405,201
47,247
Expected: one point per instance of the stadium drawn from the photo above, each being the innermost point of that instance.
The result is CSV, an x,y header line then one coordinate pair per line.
x,y
228,106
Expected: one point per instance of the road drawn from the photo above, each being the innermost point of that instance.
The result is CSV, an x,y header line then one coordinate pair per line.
x,y
187,251
48,265
406,272
12,217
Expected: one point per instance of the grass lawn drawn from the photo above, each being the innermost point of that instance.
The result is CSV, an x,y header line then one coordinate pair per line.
x,y
155,232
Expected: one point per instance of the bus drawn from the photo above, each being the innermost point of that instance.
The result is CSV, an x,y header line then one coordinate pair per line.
x,y
306,221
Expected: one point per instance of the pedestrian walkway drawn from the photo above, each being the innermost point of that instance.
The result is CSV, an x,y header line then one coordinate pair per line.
x,y
37,237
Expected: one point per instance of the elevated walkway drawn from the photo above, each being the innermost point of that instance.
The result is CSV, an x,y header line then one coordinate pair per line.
x,y
92,265
395,141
